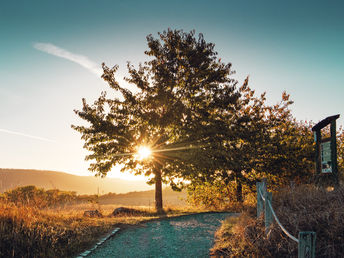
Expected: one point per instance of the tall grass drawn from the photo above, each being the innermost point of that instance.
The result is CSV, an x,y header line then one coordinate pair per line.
x,y
30,232
32,227
304,208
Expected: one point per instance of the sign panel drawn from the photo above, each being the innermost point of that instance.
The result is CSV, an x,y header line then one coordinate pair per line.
x,y
325,154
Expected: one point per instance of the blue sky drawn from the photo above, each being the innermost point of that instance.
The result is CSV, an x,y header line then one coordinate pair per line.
x,y
51,51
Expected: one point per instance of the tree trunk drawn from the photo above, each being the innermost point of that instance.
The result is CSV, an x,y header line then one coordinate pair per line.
x,y
158,192
238,191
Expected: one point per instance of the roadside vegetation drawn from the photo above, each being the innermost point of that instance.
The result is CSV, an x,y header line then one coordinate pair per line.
x,y
219,196
300,206
39,223
305,208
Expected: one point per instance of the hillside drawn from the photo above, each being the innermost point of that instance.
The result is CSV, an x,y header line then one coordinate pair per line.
x,y
12,178
145,198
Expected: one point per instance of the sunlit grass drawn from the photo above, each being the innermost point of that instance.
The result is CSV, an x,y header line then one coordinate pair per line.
x,y
304,208
39,223
63,231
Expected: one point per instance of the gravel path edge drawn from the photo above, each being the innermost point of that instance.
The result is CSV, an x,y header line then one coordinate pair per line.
x,y
113,232
101,241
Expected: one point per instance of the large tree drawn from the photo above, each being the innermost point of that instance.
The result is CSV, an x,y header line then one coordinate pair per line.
x,y
182,94
238,143
259,140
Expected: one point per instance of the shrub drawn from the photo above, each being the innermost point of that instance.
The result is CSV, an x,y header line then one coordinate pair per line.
x,y
305,208
38,197
218,196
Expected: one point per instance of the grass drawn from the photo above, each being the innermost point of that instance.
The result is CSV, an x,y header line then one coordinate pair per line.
x,y
28,231
304,208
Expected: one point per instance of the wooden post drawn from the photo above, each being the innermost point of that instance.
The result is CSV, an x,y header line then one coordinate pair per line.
x,y
264,185
268,212
306,246
260,202
334,153
330,169
317,152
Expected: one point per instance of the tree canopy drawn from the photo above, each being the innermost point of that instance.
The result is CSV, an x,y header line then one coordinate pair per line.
x,y
260,140
182,87
198,123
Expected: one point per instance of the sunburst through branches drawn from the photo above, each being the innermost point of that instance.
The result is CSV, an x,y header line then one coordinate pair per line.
x,y
143,152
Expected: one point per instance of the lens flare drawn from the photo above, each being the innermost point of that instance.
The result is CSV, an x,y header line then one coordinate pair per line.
x,y
143,152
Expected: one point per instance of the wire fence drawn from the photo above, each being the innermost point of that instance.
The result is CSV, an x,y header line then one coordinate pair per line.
x,y
305,240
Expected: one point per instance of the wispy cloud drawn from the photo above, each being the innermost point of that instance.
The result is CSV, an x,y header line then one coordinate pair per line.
x,y
27,135
63,53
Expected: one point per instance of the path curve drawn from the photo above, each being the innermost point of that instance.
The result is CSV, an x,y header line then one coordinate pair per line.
x,y
184,236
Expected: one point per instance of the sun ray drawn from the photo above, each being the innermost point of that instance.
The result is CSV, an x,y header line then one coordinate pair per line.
x,y
143,152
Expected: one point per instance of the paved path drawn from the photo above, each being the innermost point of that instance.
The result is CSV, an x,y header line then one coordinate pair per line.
x,y
185,236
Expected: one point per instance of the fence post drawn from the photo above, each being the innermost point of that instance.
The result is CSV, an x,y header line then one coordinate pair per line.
x,y
260,202
306,246
268,212
264,186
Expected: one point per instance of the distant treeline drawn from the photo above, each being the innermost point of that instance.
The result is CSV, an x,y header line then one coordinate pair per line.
x,y
38,197
41,198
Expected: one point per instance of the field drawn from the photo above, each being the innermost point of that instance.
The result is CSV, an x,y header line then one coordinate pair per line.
x,y
32,226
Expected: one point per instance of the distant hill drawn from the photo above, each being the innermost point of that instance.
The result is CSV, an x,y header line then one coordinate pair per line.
x,y
145,198
12,178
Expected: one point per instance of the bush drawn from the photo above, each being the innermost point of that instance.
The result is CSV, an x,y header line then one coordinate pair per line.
x,y
305,208
218,196
38,197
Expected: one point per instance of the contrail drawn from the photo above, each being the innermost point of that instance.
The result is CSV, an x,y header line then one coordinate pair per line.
x,y
84,61
26,135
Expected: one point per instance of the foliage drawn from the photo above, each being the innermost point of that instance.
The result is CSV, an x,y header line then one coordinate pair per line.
x,y
201,127
289,153
209,195
258,140
340,153
181,88
217,196
286,158
38,197
305,208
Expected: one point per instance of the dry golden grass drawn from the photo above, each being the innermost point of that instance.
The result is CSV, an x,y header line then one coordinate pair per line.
x,y
305,208
63,231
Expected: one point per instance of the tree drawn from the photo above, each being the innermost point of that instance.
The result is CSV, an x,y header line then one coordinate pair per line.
x,y
289,156
258,141
180,90
236,132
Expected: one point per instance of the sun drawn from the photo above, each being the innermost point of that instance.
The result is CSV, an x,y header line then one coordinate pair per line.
x,y
143,152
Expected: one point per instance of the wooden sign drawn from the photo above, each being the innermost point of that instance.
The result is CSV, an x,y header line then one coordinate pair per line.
x,y
325,156
326,149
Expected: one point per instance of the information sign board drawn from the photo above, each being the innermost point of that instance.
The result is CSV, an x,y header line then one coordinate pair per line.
x,y
326,165
326,160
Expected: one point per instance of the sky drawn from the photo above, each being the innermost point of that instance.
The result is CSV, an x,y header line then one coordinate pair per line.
x,y
51,54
